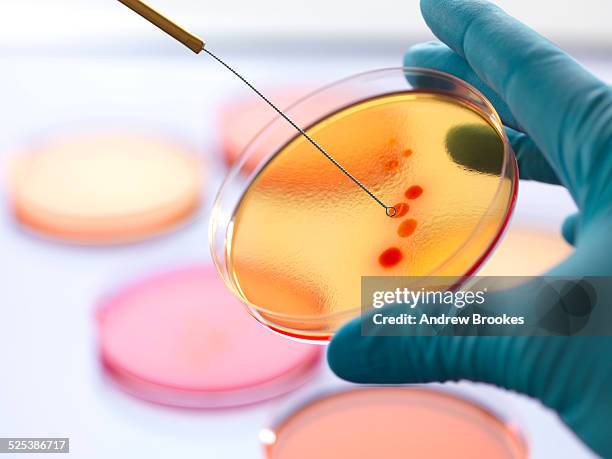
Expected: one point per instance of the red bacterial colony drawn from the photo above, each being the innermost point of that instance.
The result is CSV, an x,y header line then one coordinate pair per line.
x,y
390,257
407,227
393,255
414,192
401,209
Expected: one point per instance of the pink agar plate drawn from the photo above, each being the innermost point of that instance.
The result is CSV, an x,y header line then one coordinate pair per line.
x,y
180,338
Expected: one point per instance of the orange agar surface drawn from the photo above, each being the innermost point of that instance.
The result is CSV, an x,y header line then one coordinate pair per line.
x,y
303,234
393,423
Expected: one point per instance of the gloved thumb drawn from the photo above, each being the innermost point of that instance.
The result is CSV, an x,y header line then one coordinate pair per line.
x,y
498,360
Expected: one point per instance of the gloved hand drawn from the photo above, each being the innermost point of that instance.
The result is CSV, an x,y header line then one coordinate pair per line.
x,y
559,121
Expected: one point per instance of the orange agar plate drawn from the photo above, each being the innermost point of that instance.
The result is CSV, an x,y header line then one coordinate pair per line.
x,y
106,188
180,338
293,236
392,423
526,251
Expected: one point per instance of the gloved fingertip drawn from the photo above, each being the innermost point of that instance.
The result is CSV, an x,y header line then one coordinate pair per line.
x,y
343,353
420,54
569,229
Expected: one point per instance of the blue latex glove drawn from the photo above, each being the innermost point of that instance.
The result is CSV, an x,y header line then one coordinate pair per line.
x,y
559,120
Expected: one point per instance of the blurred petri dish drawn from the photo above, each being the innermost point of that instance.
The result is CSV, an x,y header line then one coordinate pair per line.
x,y
393,423
240,120
526,251
106,188
293,237
180,338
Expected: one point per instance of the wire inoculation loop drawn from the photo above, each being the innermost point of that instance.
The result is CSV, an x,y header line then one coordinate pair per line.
x,y
197,45
389,210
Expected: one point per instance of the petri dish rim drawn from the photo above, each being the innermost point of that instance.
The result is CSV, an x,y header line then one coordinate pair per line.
x,y
505,422
220,231
34,220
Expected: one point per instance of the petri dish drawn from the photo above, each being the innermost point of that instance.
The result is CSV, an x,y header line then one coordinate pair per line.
x,y
240,120
293,237
394,423
526,251
180,338
105,187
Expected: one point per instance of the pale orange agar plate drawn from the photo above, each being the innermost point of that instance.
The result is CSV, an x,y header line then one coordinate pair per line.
x,y
106,188
526,251
392,423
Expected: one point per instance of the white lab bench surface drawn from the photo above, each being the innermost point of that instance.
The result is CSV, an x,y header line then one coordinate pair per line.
x,y
52,384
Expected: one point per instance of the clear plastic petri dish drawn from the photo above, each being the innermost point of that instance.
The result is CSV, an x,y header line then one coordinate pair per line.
x,y
293,236
242,118
394,423
105,187
179,338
